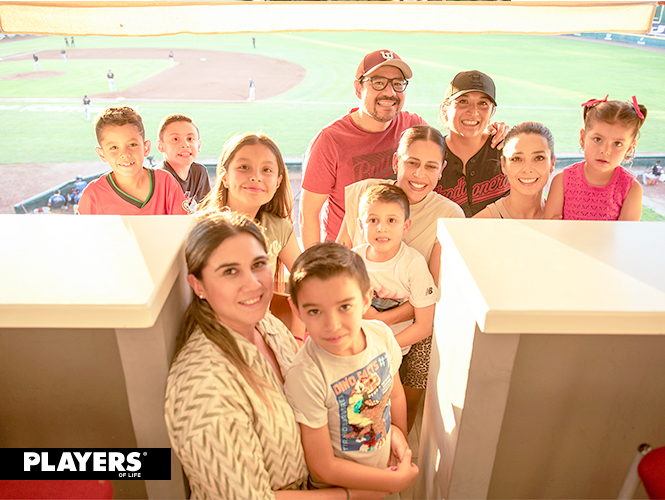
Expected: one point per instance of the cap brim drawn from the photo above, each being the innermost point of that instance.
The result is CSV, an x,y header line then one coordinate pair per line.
x,y
462,92
397,63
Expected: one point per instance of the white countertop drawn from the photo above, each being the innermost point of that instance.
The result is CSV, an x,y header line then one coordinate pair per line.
x,y
99,271
533,276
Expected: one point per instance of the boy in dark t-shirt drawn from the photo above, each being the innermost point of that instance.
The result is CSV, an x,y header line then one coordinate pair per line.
x,y
180,142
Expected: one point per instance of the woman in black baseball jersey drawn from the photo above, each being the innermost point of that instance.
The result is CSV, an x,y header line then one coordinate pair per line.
x,y
472,177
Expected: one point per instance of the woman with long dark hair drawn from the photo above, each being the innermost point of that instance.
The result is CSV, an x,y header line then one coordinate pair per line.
x,y
226,413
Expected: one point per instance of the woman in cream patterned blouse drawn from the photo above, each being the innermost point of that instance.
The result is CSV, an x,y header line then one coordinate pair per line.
x,y
226,413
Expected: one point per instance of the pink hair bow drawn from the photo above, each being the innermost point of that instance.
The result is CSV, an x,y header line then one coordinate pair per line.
x,y
637,108
592,102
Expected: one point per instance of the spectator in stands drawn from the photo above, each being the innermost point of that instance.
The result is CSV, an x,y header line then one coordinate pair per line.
x,y
130,188
527,161
225,386
359,145
252,179
472,177
600,187
653,174
180,142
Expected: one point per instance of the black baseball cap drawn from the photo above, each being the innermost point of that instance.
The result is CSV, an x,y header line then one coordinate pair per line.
x,y
471,81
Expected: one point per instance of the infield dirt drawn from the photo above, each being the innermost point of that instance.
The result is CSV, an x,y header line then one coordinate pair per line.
x,y
197,74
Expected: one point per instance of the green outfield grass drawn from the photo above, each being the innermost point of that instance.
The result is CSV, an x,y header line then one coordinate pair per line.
x,y
538,78
651,215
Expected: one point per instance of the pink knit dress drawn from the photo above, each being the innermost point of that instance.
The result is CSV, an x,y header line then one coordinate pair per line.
x,y
582,201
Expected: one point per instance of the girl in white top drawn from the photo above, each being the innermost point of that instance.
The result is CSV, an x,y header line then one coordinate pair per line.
x,y
527,161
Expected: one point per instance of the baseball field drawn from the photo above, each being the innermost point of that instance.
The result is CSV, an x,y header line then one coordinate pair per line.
x,y
303,81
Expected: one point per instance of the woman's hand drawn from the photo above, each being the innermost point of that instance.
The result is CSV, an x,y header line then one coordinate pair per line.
x,y
498,130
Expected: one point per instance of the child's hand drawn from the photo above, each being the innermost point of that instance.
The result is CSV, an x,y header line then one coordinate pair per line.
x,y
398,446
404,474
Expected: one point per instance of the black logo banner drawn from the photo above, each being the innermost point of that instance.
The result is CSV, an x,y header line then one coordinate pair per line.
x,y
85,463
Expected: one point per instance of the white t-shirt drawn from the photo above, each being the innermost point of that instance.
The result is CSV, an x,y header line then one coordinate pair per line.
x,y
350,394
404,277
424,216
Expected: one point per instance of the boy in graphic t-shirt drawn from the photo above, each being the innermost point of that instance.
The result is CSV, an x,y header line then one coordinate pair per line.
x,y
344,383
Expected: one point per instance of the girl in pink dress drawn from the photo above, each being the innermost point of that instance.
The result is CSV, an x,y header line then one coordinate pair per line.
x,y
599,188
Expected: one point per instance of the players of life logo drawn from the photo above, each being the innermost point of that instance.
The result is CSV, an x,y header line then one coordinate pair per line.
x,y
85,463
80,461
363,398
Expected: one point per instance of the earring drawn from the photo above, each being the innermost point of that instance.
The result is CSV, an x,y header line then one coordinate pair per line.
x,y
201,297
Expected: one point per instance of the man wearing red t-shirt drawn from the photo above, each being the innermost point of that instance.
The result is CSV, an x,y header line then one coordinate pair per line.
x,y
356,146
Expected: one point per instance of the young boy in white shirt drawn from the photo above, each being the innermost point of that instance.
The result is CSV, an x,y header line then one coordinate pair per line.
x,y
397,272
344,383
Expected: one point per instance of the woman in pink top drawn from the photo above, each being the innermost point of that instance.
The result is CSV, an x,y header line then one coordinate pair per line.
x,y
599,188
